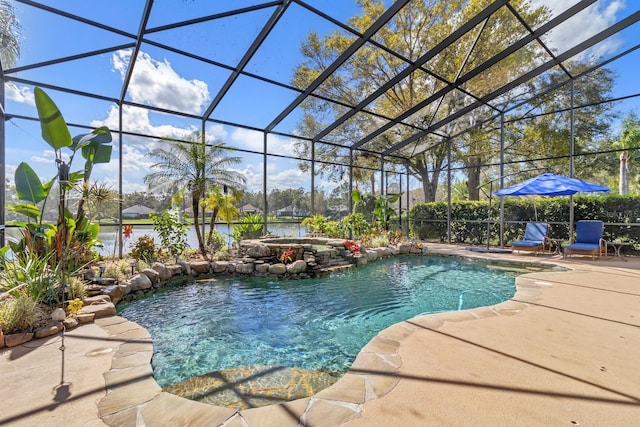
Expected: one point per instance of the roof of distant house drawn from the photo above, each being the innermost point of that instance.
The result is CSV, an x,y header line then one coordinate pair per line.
x,y
137,209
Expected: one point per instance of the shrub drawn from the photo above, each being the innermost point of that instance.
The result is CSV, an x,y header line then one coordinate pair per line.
x,y
172,233
249,228
216,241
144,249
19,314
354,224
316,223
33,277
380,241
77,288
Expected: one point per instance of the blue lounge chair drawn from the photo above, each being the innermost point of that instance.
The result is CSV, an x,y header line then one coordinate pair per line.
x,y
589,240
535,238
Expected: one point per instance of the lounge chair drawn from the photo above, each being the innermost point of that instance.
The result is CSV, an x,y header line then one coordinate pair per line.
x,y
535,238
589,240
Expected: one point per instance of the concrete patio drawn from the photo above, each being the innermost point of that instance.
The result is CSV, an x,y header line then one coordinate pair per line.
x,y
563,351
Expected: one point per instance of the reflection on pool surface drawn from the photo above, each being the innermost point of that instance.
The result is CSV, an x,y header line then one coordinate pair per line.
x,y
315,324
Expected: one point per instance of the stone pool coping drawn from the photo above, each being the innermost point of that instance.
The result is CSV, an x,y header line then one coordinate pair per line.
x,y
399,375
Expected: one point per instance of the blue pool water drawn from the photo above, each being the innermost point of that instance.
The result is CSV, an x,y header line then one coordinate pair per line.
x,y
315,324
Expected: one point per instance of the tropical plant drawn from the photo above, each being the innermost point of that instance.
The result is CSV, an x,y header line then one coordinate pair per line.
x,y
380,241
216,241
172,233
117,269
222,204
144,249
628,145
317,223
287,255
71,238
194,166
100,195
352,246
127,231
19,314
354,225
249,227
76,288
383,209
33,277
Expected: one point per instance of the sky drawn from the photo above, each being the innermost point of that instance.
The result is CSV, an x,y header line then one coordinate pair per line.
x,y
167,80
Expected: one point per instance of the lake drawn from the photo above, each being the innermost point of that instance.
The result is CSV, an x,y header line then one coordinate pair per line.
x,y
108,235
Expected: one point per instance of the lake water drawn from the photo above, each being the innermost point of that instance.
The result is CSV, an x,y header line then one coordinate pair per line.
x,y
108,235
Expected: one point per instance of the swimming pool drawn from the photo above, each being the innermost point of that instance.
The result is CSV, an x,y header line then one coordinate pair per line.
x,y
315,324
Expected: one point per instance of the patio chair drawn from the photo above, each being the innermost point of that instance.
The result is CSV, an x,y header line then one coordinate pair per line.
x,y
589,240
536,238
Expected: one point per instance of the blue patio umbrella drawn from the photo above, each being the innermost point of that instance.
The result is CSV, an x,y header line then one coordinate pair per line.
x,y
549,184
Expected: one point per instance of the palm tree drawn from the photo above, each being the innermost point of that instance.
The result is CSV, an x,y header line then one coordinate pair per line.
x,y
194,166
627,144
221,205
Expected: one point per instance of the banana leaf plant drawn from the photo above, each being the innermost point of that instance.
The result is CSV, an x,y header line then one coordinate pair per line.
x,y
71,236
383,209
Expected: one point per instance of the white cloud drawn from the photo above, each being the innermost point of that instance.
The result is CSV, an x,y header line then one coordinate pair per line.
x,y
254,141
585,24
137,120
127,185
22,94
216,131
47,156
157,83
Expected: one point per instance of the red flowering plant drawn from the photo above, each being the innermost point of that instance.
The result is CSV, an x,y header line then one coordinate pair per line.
x,y
352,246
127,231
287,256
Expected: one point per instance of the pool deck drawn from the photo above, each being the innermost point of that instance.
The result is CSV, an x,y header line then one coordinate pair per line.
x,y
565,350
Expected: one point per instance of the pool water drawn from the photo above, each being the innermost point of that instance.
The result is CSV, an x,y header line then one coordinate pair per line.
x,y
314,324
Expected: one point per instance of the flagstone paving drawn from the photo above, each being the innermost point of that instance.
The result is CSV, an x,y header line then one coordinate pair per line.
x,y
563,351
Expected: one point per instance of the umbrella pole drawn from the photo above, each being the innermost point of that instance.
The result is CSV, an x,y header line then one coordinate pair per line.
x,y
571,219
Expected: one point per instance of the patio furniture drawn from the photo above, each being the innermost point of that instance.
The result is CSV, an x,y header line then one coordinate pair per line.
x,y
535,238
589,240
556,245
617,246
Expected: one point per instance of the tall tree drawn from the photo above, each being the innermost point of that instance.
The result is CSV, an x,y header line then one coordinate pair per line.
x,y
540,132
10,32
417,28
195,166
629,146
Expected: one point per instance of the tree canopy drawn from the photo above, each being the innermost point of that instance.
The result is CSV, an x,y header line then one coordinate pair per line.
x,y
473,138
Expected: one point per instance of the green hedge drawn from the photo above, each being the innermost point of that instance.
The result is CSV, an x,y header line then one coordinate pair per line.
x,y
428,221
